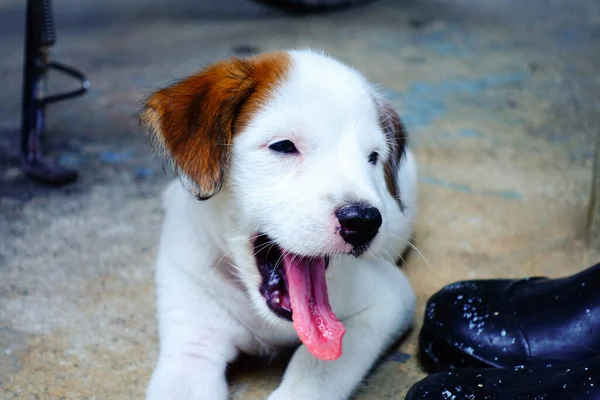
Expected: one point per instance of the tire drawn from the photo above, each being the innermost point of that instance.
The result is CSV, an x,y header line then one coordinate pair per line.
x,y
311,6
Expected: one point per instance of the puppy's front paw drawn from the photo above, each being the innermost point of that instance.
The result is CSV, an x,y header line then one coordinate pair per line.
x,y
186,381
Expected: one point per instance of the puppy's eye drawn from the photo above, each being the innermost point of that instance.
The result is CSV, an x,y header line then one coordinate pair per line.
x,y
373,157
284,146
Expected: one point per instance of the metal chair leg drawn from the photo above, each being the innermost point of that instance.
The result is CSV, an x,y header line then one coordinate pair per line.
x,y
39,37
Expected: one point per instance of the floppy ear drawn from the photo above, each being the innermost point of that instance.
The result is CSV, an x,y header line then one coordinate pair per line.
x,y
193,121
396,136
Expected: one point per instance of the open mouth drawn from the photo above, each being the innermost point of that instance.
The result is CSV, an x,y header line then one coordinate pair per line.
x,y
274,286
295,288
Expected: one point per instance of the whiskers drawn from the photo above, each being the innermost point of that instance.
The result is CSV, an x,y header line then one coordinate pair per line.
x,y
262,246
409,244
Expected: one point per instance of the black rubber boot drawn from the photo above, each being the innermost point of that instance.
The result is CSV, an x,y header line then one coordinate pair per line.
x,y
580,381
536,322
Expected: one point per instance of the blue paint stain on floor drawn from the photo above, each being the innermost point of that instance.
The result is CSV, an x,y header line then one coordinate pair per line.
x,y
418,110
399,357
449,49
424,102
115,157
143,172
422,112
471,86
502,194
72,159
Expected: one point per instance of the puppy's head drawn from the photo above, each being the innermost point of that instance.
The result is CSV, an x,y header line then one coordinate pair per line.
x,y
306,149
195,120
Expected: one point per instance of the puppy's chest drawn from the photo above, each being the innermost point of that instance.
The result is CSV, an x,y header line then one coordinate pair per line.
x,y
262,335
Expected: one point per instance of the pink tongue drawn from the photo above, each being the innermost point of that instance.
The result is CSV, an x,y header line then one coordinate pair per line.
x,y
317,326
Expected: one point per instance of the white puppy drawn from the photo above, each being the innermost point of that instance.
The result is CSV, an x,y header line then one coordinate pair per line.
x,y
297,195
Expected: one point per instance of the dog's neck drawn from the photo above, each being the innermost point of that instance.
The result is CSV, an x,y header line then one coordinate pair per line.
x,y
222,220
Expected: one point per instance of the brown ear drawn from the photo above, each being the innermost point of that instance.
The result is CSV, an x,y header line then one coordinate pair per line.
x,y
193,121
397,139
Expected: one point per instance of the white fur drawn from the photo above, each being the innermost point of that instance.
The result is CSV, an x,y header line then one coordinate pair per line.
x,y
209,306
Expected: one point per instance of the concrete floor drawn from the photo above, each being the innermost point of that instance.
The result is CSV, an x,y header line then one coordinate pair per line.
x,y
501,98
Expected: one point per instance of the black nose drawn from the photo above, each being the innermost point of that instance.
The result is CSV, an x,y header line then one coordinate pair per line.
x,y
359,223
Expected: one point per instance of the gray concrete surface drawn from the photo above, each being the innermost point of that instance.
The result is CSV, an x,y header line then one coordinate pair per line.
x,y
501,99
594,209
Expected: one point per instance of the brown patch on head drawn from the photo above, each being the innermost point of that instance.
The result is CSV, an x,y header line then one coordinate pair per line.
x,y
195,119
396,137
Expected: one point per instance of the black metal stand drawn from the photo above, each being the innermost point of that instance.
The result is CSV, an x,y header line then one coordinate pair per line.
x,y
39,37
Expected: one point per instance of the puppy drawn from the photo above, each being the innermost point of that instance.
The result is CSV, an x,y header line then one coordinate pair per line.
x,y
297,195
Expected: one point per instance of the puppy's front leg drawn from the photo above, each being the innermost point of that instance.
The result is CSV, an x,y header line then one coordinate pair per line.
x,y
185,378
368,333
196,342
